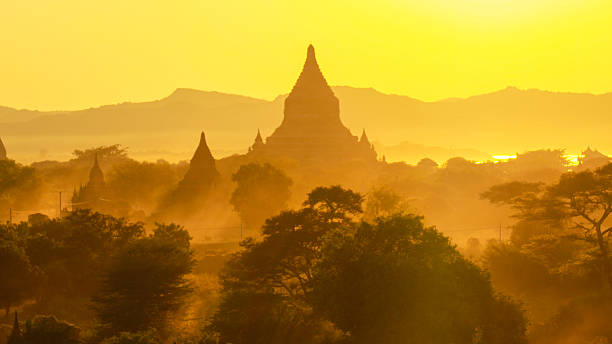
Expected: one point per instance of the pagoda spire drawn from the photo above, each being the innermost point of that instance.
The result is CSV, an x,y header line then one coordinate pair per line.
x,y
15,337
311,80
202,168
96,177
202,154
258,144
258,138
364,138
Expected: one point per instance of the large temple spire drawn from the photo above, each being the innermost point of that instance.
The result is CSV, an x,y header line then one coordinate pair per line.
x,y
311,127
311,82
311,109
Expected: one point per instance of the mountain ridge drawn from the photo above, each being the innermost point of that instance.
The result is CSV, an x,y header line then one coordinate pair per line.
x,y
507,120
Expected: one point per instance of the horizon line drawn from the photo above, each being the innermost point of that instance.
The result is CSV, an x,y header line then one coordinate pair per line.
x,y
451,98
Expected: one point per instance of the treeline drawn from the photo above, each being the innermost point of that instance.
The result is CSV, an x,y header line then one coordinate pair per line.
x,y
104,273
558,257
319,274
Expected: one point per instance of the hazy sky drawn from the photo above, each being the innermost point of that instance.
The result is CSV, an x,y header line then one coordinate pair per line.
x,y
69,54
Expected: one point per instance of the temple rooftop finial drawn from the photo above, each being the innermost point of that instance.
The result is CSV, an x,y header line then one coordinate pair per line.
x,y
364,137
311,52
311,82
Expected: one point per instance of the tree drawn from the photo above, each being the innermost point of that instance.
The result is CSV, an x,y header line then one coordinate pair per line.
x,y
74,248
261,191
19,276
115,151
399,281
51,261
49,330
142,184
145,283
266,287
335,202
19,187
383,201
132,338
580,200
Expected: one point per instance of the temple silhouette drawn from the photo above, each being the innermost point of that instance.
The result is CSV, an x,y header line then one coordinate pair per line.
x,y
95,195
91,195
312,128
193,192
202,173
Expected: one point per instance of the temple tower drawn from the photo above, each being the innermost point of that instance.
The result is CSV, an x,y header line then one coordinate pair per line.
x,y
311,127
202,171
193,192
91,195
258,144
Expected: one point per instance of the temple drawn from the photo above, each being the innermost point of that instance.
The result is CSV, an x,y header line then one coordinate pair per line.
x,y
202,173
193,191
311,128
16,336
91,195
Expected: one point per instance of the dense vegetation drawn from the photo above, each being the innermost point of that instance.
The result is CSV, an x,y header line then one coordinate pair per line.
x,y
341,266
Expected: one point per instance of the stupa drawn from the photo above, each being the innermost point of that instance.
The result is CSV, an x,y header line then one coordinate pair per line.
x,y
91,195
193,191
202,173
311,127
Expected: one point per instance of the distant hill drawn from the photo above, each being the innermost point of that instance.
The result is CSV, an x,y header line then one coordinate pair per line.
x,y
502,122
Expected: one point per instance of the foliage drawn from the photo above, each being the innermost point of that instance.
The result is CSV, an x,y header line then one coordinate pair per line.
x,y
266,287
261,191
514,270
318,276
335,203
145,283
398,281
584,320
384,201
581,201
148,337
49,330
57,261
19,274
19,186
142,184
112,152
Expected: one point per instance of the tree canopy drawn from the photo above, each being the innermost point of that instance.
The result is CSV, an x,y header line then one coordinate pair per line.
x,y
261,191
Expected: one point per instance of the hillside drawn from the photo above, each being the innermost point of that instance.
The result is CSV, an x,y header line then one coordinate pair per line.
x,y
502,122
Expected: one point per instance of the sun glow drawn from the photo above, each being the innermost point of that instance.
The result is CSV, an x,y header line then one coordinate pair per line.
x,y
71,54
504,10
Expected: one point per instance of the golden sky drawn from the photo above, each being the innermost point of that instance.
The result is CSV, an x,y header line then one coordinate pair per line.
x,y
70,54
